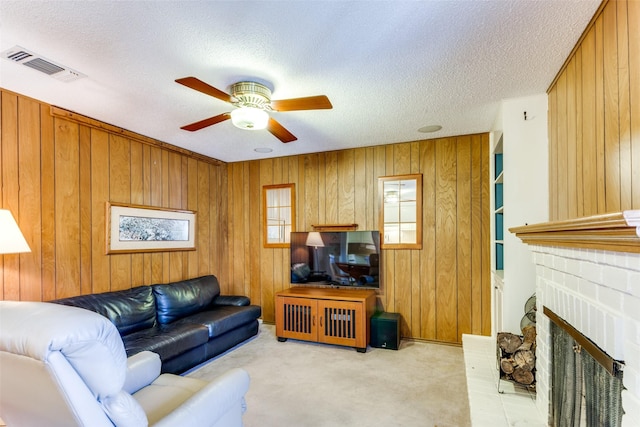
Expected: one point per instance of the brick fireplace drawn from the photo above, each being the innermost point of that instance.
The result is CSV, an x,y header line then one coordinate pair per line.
x,y
588,274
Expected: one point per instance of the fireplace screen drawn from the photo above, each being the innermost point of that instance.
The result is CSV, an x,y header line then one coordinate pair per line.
x,y
583,392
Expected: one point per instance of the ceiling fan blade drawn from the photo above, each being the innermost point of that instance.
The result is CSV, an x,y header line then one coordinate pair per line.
x,y
203,87
320,102
279,131
207,122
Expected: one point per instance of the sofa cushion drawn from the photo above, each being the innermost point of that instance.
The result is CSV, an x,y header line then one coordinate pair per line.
x,y
223,318
166,340
130,310
179,299
231,300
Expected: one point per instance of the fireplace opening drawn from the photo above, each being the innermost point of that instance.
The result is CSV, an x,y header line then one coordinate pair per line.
x,y
586,383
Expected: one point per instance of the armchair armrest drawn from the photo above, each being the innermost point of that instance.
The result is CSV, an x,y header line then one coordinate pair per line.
x,y
142,369
220,403
237,300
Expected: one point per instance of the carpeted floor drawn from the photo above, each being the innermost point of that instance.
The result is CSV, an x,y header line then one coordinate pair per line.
x,y
304,384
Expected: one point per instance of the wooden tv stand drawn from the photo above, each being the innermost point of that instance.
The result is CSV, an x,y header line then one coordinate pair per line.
x,y
326,315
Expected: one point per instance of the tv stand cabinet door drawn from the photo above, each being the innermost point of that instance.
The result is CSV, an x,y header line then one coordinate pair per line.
x,y
296,318
342,323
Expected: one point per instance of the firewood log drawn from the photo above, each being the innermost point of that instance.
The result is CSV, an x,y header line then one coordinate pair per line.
x,y
529,333
525,359
506,365
509,342
525,346
522,376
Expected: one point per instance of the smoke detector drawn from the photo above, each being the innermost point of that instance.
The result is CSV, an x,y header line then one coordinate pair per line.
x,y
20,55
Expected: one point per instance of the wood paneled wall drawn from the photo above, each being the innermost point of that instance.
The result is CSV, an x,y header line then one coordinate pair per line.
x,y
594,118
443,290
56,176
57,173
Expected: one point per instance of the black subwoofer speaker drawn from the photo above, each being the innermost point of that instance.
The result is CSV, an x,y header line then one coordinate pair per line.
x,y
385,330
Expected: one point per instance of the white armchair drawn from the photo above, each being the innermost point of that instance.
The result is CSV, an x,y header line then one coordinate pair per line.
x,y
64,366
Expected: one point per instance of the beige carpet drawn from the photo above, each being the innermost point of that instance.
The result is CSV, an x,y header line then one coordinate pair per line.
x,y
297,383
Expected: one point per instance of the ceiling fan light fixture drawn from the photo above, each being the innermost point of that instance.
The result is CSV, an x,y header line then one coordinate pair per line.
x,y
249,118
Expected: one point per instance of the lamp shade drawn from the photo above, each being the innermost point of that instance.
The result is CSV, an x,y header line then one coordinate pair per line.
x,y
11,239
314,239
249,118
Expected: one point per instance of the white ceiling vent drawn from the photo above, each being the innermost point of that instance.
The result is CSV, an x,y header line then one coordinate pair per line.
x,y
23,56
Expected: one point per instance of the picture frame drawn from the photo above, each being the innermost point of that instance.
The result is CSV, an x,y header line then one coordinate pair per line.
x,y
137,228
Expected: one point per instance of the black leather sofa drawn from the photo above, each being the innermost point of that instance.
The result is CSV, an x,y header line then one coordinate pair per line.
x,y
185,322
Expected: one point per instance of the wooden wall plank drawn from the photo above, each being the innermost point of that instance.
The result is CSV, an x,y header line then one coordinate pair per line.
x,y
255,230
203,220
219,225
477,154
600,122
193,257
553,151
416,277
633,19
371,183
346,176
446,271
146,200
10,189
463,238
119,191
579,173
624,113
485,277
100,262
266,256
67,208
176,264
588,108
611,109
137,198
562,175
570,167
246,282
428,307
322,189
86,230
237,229
166,202
30,281
156,188
360,182
47,155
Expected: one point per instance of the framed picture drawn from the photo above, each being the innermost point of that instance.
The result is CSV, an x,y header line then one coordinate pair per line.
x,y
134,228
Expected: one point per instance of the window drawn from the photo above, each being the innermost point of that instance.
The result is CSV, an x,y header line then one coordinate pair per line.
x,y
279,214
400,200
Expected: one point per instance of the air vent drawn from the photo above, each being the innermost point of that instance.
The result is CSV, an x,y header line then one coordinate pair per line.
x,y
22,56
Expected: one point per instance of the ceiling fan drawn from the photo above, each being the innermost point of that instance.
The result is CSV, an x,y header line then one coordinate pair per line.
x,y
253,102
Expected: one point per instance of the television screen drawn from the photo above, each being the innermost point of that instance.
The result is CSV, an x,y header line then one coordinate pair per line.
x,y
341,258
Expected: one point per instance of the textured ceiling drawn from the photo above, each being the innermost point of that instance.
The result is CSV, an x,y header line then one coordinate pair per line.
x,y
388,67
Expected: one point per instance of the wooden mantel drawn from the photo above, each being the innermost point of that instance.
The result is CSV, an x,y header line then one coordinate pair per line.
x,y
619,232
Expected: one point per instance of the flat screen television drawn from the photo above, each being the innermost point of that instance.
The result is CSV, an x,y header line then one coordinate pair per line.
x,y
340,259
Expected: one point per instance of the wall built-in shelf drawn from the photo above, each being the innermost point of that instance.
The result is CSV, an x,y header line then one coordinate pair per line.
x,y
334,227
498,213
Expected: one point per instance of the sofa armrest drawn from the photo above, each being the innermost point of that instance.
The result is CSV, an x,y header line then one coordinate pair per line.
x,y
220,403
237,300
142,369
